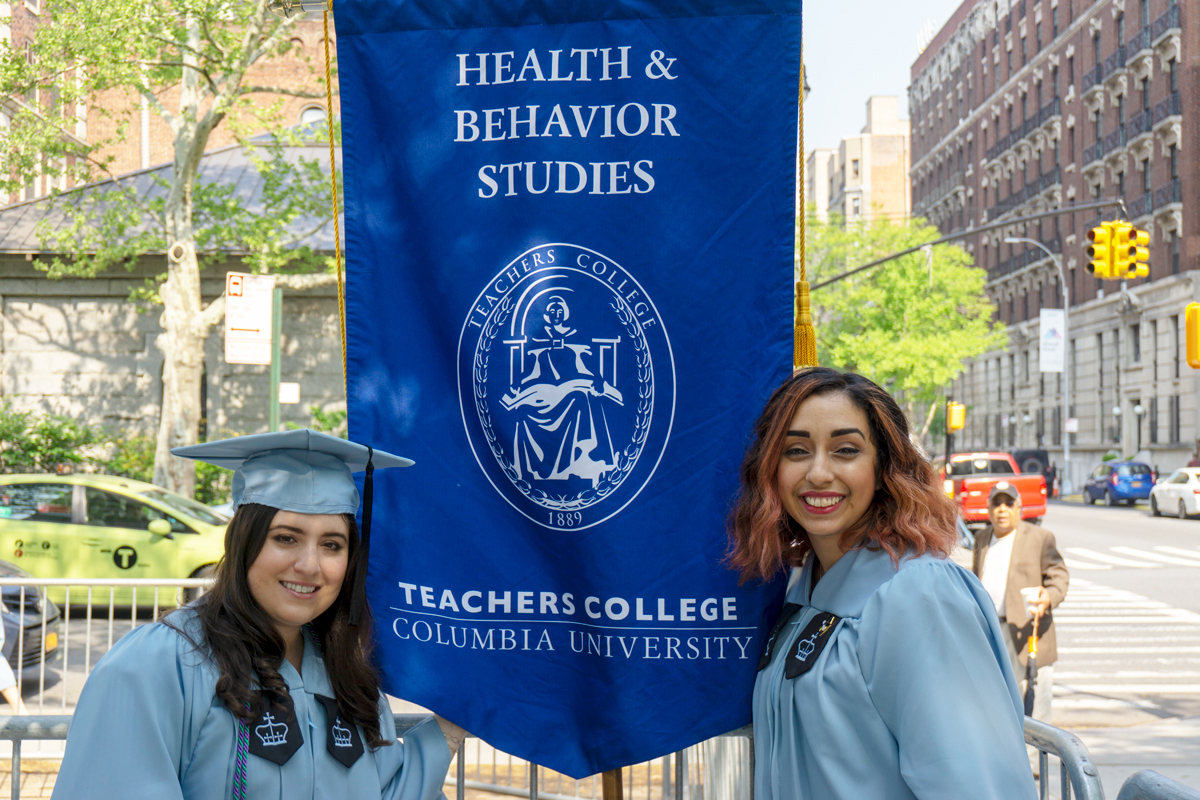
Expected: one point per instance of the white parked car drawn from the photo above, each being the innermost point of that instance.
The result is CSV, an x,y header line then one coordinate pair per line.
x,y
1178,494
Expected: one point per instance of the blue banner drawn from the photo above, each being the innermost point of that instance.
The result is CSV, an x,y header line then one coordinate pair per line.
x,y
569,236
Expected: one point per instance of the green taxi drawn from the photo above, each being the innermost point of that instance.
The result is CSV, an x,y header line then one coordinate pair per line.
x,y
99,527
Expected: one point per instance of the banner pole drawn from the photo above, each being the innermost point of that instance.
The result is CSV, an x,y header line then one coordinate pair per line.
x,y
610,783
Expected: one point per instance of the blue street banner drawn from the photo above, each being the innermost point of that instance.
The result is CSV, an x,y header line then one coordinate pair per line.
x,y
569,239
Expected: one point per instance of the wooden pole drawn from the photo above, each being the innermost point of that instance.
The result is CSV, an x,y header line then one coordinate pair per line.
x,y
610,782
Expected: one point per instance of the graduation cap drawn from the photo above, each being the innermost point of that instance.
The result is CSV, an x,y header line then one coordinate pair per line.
x,y
302,471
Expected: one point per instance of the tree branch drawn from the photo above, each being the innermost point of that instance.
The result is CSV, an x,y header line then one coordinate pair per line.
x,y
281,90
210,317
128,191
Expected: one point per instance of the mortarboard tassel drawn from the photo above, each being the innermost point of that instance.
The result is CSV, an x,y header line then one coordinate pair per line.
x,y
804,354
358,595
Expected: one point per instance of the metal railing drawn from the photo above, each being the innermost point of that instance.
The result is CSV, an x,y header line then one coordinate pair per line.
x,y
1138,42
1139,125
1044,114
1093,152
1150,785
1171,106
1114,62
1167,22
1166,195
1139,207
678,775
1091,78
1075,763
1114,139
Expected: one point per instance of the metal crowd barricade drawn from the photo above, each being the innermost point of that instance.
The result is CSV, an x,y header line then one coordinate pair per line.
x,y
719,769
1150,785
1075,763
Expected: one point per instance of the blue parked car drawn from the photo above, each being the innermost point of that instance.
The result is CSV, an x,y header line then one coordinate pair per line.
x,y
1116,481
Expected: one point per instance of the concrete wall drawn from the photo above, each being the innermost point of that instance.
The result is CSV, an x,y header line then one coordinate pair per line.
x,y
80,347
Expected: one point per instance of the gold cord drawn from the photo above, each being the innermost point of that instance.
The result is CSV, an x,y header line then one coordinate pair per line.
x,y
337,233
804,345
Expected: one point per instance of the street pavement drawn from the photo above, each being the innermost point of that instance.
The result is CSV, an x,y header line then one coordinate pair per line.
x,y
1127,681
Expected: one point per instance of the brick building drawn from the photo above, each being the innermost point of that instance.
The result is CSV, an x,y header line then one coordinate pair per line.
x,y
149,140
1033,105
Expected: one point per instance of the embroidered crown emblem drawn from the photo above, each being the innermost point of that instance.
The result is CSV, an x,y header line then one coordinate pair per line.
x,y
806,646
271,732
341,735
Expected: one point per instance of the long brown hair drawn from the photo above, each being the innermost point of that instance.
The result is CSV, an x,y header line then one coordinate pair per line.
x,y
248,651
909,514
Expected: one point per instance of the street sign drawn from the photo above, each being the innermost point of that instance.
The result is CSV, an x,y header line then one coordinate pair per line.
x,y
1051,342
248,318
289,393
1072,425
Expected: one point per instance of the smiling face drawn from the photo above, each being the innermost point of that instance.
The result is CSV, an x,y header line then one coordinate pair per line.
x,y
826,476
298,573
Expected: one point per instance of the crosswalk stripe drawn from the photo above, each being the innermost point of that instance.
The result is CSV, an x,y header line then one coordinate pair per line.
x,y
1179,551
1131,551
1073,564
1107,559
1119,650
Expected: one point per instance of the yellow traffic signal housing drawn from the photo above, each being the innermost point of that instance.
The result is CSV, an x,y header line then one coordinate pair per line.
x,y
1100,250
956,416
1191,326
1124,248
1139,253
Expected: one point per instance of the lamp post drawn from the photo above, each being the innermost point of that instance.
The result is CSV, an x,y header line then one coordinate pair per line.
x,y
1138,411
1066,413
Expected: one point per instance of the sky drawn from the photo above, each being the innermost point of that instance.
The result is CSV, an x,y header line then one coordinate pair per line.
x,y
857,48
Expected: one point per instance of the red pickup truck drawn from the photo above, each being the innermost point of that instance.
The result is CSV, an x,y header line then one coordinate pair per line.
x,y
972,476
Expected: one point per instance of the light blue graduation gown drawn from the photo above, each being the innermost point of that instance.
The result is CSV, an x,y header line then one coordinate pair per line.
x,y
912,698
149,725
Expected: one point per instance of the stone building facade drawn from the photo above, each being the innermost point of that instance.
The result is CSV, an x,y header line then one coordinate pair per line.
x,y
1024,106
80,347
867,176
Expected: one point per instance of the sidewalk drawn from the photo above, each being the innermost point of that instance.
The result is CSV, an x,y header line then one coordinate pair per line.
x,y
1171,747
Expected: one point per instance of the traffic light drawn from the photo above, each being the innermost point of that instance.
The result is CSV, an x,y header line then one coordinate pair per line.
x,y
1100,250
1122,240
956,416
1191,327
1139,253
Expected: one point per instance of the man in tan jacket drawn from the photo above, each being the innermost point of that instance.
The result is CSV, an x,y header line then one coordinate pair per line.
x,y
1011,555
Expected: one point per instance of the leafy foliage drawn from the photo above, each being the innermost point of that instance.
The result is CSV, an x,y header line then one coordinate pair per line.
x,y
33,443
332,422
898,324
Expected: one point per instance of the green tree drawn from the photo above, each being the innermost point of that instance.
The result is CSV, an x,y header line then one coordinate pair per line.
x,y
31,442
902,324
192,65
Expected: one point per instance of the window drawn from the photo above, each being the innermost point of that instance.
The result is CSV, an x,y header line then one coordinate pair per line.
x,y
1024,52
1174,240
1099,130
1071,71
854,166
1071,144
1153,421
1173,158
1154,349
1135,341
1100,359
980,466
1038,29
1054,81
1096,48
1174,74
1145,14
1175,346
1054,34
857,206
1120,110
1120,29
1175,420
1025,315
1120,184
108,510
36,502
1145,95
312,115
1010,66
1145,176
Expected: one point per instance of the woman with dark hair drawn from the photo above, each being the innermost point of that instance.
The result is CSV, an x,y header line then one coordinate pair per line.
x,y
264,686
885,675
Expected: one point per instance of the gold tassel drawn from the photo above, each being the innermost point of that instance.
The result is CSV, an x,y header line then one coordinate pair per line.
x,y
804,354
